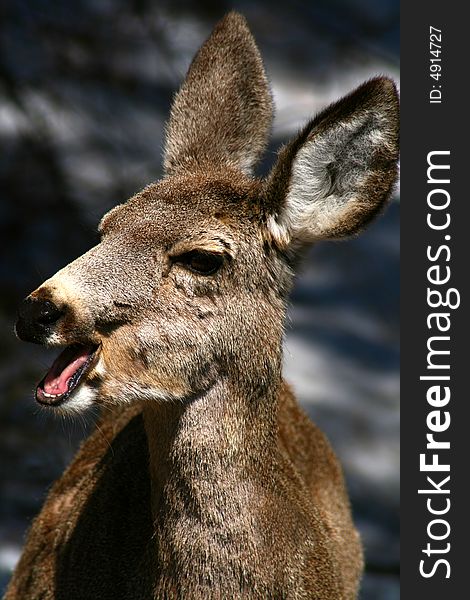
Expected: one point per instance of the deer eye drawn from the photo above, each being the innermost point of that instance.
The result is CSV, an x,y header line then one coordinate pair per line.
x,y
202,263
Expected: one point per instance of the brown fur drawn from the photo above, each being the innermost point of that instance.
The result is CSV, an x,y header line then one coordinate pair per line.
x,y
205,478
202,131
108,483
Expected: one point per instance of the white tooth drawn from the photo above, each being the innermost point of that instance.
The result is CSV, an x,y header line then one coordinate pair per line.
x,y
50,395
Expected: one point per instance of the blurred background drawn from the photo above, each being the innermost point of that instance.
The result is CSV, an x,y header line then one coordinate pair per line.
x,y
85,88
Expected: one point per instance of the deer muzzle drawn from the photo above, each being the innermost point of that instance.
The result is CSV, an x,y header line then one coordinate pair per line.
x,y
37,319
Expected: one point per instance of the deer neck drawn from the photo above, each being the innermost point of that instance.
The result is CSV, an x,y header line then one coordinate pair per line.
x,y
223,434
212,462
207,454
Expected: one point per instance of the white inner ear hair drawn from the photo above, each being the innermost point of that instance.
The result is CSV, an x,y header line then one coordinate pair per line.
x,y
327,177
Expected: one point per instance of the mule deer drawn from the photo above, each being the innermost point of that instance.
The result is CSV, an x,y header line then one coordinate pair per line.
x,y
206,479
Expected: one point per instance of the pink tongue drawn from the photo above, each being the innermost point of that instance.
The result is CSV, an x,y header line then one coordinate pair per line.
x,y
57,383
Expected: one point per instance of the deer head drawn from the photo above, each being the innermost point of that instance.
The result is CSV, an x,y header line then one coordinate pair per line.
x,y
189,281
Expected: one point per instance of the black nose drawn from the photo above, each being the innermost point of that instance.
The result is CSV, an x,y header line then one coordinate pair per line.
x,y
35,319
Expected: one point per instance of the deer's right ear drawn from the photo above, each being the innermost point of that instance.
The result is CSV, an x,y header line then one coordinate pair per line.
x,y
222,114
332,179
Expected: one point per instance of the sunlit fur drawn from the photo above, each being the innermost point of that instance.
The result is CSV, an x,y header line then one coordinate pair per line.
x,y
205,479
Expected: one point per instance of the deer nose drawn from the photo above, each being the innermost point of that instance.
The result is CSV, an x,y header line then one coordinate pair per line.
x,y
36,318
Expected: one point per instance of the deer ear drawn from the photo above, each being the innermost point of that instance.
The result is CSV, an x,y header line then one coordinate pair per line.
x,y
335,176
222,114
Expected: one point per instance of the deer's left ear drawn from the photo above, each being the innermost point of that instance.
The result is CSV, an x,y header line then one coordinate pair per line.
x,y
221,117
335,176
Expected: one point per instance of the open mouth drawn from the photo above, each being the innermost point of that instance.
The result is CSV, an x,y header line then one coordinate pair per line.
x,y
68,371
